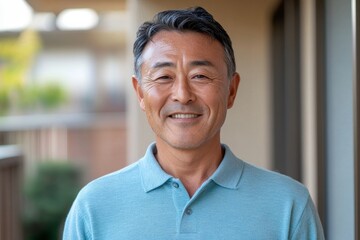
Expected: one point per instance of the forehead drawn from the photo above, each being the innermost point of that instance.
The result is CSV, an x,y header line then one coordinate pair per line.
x,y
167,45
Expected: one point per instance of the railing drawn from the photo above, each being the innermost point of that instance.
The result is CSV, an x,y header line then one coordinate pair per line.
x,y
10,193
96,143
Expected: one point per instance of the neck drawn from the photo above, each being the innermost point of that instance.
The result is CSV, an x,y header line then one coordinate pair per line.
x,y
191,166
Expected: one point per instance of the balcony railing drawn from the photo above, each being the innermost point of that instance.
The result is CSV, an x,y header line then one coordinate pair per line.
x,y
10,192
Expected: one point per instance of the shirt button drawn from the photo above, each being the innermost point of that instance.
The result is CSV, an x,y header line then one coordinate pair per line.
x,y
188,211
175,185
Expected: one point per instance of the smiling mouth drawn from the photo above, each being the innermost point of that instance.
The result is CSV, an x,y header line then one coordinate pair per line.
x,y
184,115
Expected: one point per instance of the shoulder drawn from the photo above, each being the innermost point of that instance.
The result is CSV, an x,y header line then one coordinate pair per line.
x,y
98,200
273,183
111,184
287,199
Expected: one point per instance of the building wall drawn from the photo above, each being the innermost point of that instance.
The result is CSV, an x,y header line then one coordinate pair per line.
x,y
247,128
339,120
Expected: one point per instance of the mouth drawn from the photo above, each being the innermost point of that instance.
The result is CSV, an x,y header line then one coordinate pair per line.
x,y
184,115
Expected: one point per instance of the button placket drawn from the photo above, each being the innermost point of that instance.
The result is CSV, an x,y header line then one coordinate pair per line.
x,y
185,222
180,196
188,222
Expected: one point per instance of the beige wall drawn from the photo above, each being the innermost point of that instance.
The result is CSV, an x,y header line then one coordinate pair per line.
x,y
247,129
308,98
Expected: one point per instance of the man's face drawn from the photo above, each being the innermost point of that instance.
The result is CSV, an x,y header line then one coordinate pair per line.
x,y
184,88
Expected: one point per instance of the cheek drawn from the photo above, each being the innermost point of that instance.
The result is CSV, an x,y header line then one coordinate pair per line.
x,y
216,96
155,91
153,100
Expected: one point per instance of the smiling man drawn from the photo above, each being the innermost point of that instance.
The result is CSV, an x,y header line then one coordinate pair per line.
x,y
189,185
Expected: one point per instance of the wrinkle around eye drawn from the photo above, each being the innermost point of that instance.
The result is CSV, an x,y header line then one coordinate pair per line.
x,y
150,83
160,76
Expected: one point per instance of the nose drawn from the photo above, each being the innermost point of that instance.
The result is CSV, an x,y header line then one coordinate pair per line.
x,y
182,92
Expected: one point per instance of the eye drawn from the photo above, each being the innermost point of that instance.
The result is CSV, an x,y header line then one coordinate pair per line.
x,y
199,76
163,79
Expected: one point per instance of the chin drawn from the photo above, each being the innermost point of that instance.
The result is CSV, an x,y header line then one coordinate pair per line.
x,y
184,145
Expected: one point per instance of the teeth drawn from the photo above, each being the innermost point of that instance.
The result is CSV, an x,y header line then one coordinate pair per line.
x,y
183,115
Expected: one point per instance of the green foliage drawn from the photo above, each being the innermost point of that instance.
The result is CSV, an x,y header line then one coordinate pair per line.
x,y
47,96
49,195
16,56
32,98
51,95
4,101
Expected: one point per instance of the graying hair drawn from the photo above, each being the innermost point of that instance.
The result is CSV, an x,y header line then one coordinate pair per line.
x,y
193,19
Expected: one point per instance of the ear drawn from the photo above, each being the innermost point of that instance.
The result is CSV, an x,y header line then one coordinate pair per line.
x,y
234,84
139,92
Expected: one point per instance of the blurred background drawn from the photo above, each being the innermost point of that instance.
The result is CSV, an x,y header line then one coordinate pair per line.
x,y
68,113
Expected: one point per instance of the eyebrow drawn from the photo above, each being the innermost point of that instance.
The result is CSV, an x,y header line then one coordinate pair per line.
x,y
201,63
163,64
193,64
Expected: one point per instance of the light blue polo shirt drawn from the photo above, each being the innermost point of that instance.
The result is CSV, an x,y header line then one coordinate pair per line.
x,y
239,201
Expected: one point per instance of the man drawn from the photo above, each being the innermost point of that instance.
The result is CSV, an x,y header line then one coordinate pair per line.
x,y
189,185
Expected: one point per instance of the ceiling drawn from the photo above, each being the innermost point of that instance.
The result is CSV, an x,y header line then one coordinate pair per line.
x,y
56,6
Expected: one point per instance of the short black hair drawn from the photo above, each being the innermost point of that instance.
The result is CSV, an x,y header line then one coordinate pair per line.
x,y
195,19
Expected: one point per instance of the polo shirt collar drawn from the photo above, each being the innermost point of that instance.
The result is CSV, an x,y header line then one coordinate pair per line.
x,y
227,175
152,175
229,172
